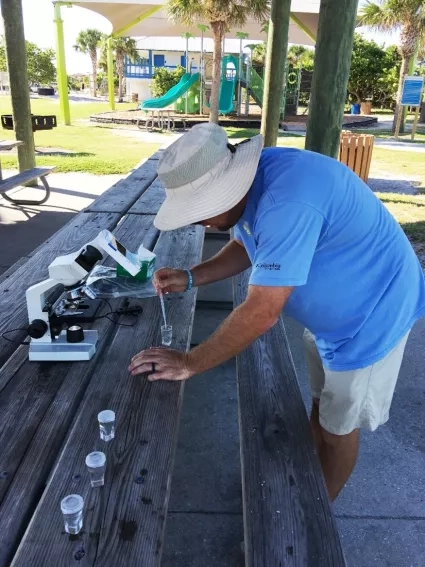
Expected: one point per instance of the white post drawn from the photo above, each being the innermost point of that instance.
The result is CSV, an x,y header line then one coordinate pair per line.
x,y
240,78
187,69
202,82
247,82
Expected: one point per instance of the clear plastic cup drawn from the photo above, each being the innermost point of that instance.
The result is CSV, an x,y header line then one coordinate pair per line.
x,y
72,510
166,334
106,420
96,464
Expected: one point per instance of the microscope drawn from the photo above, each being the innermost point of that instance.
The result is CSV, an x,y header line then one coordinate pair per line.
x,y
59,305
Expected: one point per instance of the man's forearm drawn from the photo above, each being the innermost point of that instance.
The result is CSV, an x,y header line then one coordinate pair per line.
x,y
243,326
230,261
250,320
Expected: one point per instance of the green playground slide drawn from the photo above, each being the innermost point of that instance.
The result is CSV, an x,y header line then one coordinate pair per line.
x,y
227,86
173,94
227,95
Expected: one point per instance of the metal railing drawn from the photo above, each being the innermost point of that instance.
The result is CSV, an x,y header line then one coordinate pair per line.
x,y
137,71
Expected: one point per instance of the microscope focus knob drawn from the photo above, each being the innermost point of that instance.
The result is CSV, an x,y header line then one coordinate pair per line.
x,y
37,328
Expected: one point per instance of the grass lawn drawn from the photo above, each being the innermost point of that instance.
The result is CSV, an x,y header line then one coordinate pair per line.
x,y
98,149
409,210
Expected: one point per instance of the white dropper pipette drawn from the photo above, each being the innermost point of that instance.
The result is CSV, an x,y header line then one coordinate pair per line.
x,y
161,298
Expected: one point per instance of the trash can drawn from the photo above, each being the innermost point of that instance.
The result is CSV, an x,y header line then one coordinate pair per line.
x,y
355,151
355,108
366,107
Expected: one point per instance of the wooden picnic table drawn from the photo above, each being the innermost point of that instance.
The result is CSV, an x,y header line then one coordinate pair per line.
x,y
48,410
48,419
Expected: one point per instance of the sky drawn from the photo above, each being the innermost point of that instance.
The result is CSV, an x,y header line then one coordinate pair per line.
x,y
40,29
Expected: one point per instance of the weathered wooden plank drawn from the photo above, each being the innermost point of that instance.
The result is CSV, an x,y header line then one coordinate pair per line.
x,y
288,519
359,157
150,201
365,160
120,197
124,520
352,149
13,309
38,401
369,159
343,152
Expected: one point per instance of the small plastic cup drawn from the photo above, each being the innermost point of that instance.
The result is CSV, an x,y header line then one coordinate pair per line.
x,y
106,420
166,334
72,510
96,464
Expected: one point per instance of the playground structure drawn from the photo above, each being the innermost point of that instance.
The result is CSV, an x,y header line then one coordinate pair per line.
x,y
190,94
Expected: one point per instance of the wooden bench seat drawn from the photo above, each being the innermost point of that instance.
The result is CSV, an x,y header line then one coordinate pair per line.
x,y
26,177
288,519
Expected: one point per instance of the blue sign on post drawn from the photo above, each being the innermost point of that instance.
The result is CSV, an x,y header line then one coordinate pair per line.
x,y
412,91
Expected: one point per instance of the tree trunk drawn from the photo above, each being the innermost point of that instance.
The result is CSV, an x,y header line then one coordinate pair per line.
x,y
403,71
330,77
18,78
93,57
218,30
277,45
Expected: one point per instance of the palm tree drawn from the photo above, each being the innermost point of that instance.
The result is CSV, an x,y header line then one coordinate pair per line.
x,y
408,16
123,47
87,42
221,16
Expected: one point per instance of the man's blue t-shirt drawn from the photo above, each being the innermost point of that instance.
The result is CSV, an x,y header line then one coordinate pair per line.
x,y
310,222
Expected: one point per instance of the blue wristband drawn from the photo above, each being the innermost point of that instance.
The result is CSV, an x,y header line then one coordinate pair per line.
x,y
190,280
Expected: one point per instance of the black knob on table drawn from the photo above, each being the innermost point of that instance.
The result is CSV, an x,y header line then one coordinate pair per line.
x,y
37,328
75,334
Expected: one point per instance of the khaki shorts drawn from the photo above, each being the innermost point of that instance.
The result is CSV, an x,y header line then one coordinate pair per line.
x,y
354,398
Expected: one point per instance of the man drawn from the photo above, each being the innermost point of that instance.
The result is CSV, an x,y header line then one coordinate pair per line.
x,y
323,248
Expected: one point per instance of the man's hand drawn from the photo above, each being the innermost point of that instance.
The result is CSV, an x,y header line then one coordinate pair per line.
x,y
251,319
168,364
168,280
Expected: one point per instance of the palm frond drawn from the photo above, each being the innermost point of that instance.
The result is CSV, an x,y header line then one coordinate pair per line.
x,y
231,12
185,11
378,16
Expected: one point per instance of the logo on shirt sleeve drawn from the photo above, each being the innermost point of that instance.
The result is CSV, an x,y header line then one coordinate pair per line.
x,y
271,267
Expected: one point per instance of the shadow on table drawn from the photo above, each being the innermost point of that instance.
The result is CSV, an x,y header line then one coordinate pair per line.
x,y
30,228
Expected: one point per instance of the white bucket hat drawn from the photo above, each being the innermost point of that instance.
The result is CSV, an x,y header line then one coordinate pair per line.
x,y
205,176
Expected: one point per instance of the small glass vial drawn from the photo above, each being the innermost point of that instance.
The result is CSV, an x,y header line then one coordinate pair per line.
x,y
96,464
106,420
166,334
72,510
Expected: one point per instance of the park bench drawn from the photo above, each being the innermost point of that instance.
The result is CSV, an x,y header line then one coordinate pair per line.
x,y
48,420
288,519
23,178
